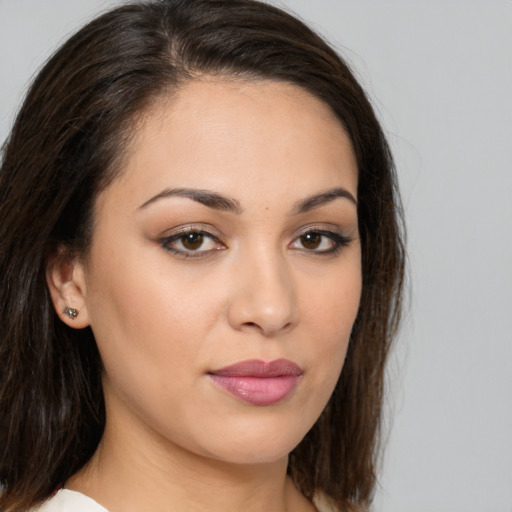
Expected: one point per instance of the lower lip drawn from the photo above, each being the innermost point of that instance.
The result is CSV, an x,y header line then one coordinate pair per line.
x,y
258,390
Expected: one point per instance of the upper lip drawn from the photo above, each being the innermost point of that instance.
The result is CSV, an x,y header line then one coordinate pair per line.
x,y
258,368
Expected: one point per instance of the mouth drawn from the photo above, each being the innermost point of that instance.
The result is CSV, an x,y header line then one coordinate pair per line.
x,y
258,382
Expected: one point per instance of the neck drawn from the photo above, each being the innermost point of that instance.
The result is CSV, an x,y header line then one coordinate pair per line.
x,y
128,473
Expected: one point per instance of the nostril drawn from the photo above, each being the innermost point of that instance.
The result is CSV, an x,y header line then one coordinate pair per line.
x,y
252,326
268,331
288,326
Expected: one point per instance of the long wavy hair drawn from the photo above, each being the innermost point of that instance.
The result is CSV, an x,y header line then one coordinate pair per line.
x,y
67,144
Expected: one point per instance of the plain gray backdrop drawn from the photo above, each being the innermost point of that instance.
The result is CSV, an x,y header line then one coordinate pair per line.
x,y
440,76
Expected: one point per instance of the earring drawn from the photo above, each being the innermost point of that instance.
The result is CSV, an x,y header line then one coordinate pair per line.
x,y
71,312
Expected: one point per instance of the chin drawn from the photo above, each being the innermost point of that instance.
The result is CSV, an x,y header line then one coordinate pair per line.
x,y
254,445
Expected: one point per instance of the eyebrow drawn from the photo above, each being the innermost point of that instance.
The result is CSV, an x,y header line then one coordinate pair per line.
x,y
310,203
220,202
206,197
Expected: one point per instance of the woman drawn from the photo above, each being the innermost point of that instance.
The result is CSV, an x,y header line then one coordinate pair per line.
x,y
200,230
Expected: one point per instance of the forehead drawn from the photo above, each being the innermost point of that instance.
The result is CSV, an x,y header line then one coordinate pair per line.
x,y
239,136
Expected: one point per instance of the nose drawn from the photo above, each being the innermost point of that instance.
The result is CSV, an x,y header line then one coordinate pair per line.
x,y
264,297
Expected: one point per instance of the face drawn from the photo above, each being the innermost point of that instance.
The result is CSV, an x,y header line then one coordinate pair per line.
x,y
224,274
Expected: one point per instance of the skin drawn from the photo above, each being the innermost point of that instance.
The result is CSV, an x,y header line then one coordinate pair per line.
x,y
255,289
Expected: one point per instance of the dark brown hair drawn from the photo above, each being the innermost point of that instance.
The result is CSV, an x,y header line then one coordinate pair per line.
x,y
67,144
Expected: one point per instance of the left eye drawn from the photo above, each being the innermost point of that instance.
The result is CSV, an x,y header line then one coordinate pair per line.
x,y
319,241
186,243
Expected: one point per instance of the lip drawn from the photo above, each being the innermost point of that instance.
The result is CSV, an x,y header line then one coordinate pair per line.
x,y
258,382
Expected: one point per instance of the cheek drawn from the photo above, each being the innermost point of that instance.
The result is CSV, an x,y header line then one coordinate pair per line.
x,y
152,326
133,295
330,304
329,311
150,340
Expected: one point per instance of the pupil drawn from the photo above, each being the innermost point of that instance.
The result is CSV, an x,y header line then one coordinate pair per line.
x,y
310,240
192,241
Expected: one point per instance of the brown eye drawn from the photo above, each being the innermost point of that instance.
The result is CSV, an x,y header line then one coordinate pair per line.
x,y
320,241
311,240
192,241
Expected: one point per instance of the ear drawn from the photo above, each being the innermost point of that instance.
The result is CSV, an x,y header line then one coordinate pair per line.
x,y
65,275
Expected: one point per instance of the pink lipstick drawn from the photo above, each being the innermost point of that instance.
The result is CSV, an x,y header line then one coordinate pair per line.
x,y
259,382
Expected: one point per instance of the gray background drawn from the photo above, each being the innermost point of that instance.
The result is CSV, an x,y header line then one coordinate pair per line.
x,y
440,76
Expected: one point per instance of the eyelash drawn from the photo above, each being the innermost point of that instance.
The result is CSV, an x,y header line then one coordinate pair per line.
x,y
338,241
181,234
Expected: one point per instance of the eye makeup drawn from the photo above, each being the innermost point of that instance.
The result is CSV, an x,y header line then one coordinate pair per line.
x,y
192,242
199,241
320,241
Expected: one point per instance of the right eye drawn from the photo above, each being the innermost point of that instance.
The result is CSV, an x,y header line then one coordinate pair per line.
x,y
191,243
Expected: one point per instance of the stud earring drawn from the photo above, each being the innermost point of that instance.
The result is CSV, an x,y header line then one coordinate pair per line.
x,y
71,312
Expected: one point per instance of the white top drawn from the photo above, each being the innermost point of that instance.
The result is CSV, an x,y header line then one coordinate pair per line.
x,y
70,501
73,501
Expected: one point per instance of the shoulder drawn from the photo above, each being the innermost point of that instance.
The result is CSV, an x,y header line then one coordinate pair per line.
x,y
324,504
70,501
